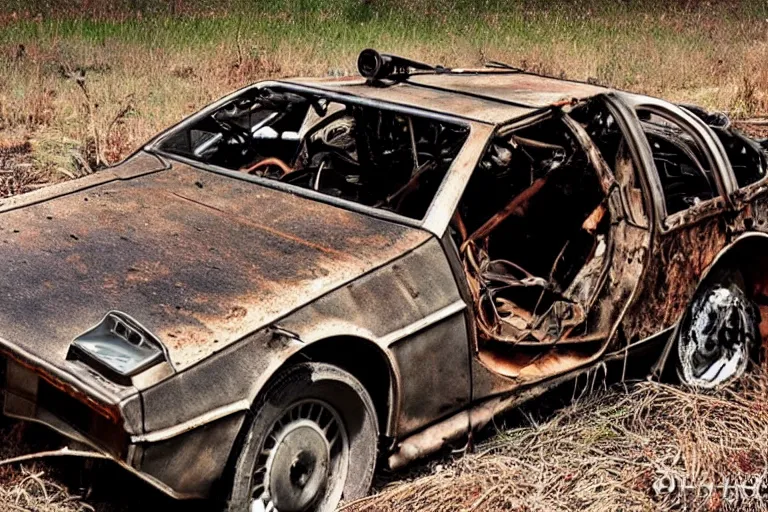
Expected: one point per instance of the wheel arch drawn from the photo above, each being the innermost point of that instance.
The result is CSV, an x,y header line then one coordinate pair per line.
x,y
362,358
742,255
368,363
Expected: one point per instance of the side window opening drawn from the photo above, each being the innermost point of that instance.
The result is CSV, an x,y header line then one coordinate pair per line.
x,y
368,155
749,159
748,156
532,228
685,176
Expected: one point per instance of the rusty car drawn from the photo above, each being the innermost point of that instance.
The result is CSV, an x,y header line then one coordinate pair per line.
x,y
312,278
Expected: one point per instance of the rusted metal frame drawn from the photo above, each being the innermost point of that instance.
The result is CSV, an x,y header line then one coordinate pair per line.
x,y
746,194
601,168
533,143
450,191
417,173
488,327
642,157
641,154
448,195
414,149
621,199
492,223
607,183
702,135
524,121
604,173
701,211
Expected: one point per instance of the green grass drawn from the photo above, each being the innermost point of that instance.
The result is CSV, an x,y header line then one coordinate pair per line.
x,y
169,58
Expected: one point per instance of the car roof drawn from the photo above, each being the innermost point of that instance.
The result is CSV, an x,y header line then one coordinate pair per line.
x,y
490,96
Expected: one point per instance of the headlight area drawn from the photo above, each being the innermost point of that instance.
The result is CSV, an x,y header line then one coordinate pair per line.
x,y
95,400
34,394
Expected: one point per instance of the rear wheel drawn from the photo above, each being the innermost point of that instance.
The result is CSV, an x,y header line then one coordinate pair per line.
x,y
311,444
718,336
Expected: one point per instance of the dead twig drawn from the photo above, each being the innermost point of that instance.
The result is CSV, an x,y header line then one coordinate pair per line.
x,y
63,452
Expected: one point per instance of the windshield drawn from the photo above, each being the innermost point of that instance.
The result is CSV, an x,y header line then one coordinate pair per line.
x,y
369,155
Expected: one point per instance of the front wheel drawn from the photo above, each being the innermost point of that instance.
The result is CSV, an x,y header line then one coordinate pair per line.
x,y
717,337
311,444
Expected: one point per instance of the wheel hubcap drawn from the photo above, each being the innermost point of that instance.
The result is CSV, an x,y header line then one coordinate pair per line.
x,y
715,348
303,462
299,469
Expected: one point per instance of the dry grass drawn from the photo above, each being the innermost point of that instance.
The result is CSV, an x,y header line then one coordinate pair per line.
x,y
30,487
92,89
32,491
606,452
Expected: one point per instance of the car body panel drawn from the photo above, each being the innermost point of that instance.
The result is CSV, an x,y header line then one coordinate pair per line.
x,y
485,95
419,316
200,259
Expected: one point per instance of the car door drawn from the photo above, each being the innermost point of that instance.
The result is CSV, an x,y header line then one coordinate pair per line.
x,y
690,186
549,254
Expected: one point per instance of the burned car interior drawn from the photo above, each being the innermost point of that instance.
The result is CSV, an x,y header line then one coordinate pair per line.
x,y
375,157
533,232
520,252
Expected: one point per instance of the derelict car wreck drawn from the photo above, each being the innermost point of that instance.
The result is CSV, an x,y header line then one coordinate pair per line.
x,y
310,276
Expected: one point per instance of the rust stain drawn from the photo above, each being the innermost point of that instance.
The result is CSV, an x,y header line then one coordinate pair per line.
x,y
183,265
268,229
236,313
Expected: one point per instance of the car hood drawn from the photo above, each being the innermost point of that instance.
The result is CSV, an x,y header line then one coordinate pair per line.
x,y
198,258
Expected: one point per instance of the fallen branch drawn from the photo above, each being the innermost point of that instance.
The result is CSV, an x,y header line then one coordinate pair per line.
x,y
63,452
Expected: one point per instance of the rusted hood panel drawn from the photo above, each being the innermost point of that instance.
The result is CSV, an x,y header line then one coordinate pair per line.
x,y
198,258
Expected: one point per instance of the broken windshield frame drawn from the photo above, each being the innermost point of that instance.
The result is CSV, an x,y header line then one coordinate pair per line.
x,y
434,220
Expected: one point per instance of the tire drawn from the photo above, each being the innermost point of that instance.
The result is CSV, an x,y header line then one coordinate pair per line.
x,y
312,443
718,336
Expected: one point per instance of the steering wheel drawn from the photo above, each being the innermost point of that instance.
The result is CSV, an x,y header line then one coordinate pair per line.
x,y
234,130
273,162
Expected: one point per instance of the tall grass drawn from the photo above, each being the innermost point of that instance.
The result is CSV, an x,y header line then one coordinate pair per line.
x,y
167,59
